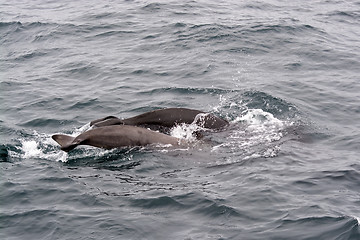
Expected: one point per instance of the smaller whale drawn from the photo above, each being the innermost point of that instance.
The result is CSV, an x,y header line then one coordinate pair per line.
x,y
115,136
166,118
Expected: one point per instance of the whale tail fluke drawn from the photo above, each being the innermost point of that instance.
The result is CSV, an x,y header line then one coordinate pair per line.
x,y
66,142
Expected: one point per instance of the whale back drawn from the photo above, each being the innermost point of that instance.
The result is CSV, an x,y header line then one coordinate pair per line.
x,y
168,117
164,119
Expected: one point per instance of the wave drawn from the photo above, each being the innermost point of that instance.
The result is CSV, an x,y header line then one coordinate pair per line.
x,y
194,202
183,32
348,177
343,16
181,91
319,227
4,152
35,123
220,33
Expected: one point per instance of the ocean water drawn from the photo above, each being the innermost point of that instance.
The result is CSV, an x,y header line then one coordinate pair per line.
x,y
285,74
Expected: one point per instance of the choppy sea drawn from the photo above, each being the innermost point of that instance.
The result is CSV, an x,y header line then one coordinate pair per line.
x,y
285,74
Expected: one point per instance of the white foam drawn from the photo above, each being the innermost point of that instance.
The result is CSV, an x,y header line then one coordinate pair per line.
x,y
185,131
59,156
37,149
357,219
256,135
30,149
42,146
258,117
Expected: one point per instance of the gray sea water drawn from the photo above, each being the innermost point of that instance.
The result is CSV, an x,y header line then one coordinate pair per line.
x,y
285,74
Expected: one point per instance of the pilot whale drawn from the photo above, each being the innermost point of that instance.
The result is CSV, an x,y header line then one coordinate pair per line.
x,y
168,117
115,136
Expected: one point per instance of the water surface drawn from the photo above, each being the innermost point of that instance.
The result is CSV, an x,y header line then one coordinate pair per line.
x,y
284,74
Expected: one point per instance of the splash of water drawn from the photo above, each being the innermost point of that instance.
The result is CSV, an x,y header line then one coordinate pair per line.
x,y
185,131
256,135
256,118
30,149
357,219
42,146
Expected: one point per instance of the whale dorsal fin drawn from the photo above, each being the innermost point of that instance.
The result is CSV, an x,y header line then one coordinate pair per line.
x,y
109,122
105,119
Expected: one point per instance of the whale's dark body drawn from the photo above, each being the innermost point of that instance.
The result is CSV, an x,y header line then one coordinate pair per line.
x,y
114,136
166,118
